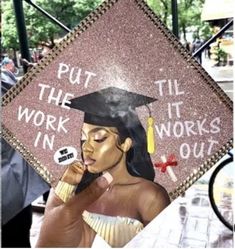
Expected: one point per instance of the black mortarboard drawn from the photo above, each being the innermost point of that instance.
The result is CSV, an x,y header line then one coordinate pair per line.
x,y
108,106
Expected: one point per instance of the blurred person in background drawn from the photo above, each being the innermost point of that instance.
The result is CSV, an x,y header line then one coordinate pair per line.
x,y
197,43
21,185
8,77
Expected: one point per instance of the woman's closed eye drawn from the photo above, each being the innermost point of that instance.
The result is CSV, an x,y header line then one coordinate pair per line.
x,y
100,140
97,140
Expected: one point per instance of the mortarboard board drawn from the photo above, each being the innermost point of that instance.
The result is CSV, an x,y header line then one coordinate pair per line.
x,y
115,107
108,106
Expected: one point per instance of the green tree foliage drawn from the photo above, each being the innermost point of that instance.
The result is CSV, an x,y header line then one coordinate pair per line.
x,y
190,19
189,16
162,8
9,34
41,31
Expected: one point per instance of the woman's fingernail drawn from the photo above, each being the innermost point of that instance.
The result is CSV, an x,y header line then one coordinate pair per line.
x,y
105,180
108,177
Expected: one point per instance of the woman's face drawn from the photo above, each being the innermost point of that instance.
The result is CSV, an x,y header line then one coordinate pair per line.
x,y
100,148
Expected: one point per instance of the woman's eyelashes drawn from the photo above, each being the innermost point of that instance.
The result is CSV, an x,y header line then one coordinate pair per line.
x,y
100,140
95,139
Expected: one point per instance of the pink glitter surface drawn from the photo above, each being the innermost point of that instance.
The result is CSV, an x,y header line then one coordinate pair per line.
x,y
124,48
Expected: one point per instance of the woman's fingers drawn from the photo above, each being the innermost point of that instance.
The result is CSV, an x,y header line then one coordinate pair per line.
x,y
63,225
82,200
52,201
73,173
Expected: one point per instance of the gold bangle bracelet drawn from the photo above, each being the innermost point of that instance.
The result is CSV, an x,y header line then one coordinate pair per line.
x,y
64,190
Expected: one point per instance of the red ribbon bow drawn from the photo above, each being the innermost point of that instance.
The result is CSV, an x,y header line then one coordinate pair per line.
x,y
171,161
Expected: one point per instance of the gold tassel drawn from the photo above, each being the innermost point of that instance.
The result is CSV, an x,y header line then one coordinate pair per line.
x,y
150,136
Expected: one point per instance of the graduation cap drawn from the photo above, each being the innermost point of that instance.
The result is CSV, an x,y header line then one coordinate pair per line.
x,y
109,107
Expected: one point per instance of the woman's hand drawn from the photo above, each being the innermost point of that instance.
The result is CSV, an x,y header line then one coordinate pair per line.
x,y
73,173
63,225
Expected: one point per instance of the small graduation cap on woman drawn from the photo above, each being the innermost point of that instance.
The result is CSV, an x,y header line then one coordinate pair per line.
x,y
111,106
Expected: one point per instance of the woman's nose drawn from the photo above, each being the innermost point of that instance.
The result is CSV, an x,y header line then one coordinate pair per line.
x,y
86,147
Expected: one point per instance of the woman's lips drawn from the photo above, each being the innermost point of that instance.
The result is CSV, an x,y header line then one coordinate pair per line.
x,y
89,161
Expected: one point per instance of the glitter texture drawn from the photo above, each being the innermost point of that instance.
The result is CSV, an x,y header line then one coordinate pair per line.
x,y
126,49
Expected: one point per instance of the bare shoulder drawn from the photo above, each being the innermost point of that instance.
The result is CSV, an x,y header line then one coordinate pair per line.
x,y
153,198
151,190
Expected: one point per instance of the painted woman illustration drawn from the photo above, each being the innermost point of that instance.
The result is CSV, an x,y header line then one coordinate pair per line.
x,y
113,140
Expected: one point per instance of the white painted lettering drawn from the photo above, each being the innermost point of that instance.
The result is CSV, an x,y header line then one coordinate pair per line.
x,y
189,128
178,129
177,91
43,87
54,96
66,100
89,75
61,124
25,113
201,129
211,144
50,121
185,151
63,68
38,118
163,129
215,125
170,87
48,142
160,85
37,139
77,76
198,153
